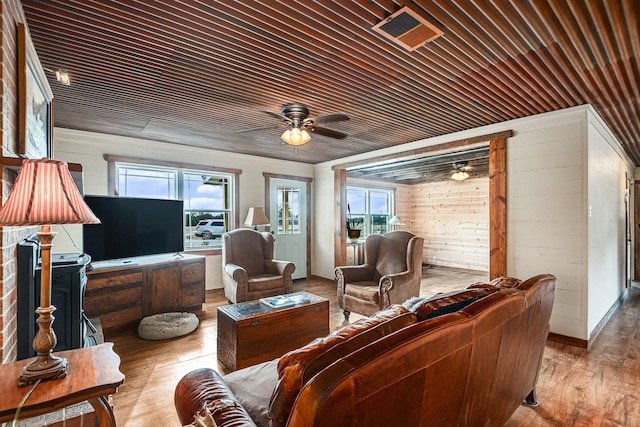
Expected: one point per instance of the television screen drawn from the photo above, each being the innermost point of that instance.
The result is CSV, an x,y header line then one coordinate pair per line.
x,y
133,227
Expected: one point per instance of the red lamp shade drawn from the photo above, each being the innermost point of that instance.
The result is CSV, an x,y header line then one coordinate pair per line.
x,y
44,193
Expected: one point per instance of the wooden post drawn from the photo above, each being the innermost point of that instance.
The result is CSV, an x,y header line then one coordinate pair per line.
x,y
340,233
498,208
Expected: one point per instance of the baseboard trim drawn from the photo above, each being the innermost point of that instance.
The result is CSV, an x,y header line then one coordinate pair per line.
x,y
564,339
577,342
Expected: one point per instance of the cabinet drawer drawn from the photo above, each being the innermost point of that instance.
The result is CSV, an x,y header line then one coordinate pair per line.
x,y
109,280
105,302
192,296
192,272
121,317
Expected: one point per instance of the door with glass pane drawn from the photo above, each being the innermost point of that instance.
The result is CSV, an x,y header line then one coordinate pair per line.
x,y
288,216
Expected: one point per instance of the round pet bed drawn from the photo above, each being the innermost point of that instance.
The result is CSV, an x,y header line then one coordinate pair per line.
x,y
164,326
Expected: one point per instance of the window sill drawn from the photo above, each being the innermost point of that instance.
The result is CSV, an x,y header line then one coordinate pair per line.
x,y
203,251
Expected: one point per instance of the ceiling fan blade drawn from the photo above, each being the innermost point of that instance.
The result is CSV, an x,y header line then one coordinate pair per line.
x,y
337,117
257,129
274,114
328,132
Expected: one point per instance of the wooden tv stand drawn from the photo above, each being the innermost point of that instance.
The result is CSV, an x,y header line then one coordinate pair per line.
x,y
123,293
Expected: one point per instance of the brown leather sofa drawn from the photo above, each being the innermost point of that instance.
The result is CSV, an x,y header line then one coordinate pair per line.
x,y
249,271
464,358
391,274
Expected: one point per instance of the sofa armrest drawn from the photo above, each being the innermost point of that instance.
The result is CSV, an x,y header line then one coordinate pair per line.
x,y
204,388
281,268
238,273
398,284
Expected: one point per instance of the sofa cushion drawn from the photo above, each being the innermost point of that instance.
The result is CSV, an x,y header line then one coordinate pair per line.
x,y
297,366
263,282
448,302
253,387
365,291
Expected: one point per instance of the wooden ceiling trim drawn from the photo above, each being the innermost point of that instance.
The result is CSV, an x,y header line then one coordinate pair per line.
x,y
454,116
590,85
573,37
368,36
514,73
481,58
461,144
139,67
416,100
545,54
476,89
536,59
631,29
405,58
553,75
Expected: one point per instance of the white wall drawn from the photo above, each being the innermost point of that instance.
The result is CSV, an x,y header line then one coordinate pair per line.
x,y
547,199
88,149
606,221
545,211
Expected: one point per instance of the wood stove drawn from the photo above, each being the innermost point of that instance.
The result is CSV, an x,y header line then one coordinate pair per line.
x,y
68,282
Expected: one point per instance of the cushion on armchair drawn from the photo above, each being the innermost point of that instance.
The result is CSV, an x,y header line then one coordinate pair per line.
x,y
298,366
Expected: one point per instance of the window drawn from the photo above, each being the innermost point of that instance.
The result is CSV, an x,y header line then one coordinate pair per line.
x,y
370,209
288,210
206,195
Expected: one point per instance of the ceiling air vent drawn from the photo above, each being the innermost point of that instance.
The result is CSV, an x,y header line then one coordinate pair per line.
x,y
408,29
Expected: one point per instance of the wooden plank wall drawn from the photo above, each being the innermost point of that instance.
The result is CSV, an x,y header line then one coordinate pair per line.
x,y
453,219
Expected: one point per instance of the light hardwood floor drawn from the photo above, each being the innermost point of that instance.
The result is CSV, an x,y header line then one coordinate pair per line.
x,y
577,387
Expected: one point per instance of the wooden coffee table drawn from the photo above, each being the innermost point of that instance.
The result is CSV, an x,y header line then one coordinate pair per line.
x,y
252,332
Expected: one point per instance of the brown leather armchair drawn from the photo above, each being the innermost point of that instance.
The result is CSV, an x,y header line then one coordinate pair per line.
x,y
391,274
249,271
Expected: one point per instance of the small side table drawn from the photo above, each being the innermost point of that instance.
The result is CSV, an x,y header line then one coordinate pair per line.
x,y
358,249
92,374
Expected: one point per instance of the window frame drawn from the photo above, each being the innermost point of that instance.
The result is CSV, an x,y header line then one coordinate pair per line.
x,y
367,215
234,175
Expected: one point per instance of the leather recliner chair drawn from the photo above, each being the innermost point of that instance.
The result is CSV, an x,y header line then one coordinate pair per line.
x,y
249,271
391,274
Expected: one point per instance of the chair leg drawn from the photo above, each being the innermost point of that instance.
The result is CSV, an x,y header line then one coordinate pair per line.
x,y
346,313
531,399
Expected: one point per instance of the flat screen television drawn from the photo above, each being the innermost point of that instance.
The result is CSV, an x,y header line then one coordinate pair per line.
x,y
133,227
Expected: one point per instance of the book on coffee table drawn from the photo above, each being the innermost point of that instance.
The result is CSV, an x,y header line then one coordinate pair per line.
x,y
282,301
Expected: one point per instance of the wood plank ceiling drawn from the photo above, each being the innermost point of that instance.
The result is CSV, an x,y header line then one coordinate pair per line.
x,y
195,72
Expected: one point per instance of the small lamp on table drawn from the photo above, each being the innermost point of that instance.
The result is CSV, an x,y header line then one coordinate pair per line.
x,y
395,222
256,217
44,194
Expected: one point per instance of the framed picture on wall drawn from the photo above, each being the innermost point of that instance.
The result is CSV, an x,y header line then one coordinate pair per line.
x,y
35,102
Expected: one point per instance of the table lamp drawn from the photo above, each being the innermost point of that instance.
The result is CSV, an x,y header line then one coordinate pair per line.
x,y
395,221
44,194
256,217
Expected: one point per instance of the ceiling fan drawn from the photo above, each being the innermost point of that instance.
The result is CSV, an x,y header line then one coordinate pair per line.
x,y
295,119
461,171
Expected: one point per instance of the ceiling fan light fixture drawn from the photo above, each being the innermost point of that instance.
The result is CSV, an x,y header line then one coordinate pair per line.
x,y
63,77
460,171
459,175
295,136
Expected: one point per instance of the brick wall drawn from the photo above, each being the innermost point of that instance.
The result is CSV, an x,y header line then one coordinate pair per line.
x,y
11,13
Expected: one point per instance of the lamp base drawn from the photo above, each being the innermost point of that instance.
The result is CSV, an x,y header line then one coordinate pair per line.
x,y
44,367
